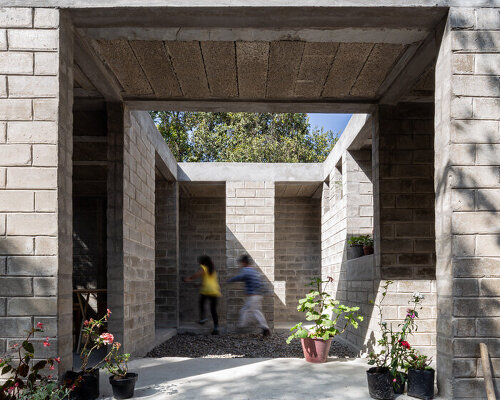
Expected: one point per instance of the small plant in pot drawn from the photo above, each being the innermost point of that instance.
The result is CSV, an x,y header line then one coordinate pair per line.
x,y
330,319
356,243
87,379
389,374
122,381
27,377
420,376
367,245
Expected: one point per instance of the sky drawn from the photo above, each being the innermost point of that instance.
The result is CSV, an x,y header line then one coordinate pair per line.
x,y
334,122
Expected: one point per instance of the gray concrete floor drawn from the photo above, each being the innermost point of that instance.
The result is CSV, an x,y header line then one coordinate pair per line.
x,y
246,378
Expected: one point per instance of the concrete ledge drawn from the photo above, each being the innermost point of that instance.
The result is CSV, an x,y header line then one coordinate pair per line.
x,y
227,172
360,269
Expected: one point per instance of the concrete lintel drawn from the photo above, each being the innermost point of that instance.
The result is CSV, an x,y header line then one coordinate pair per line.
x,y
165,160
358,125
339,35
95,71
252,106
227,172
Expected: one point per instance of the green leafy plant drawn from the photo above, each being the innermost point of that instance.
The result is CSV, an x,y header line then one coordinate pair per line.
x,y
394,345
415,360
117,363
363,240
28,378
329,316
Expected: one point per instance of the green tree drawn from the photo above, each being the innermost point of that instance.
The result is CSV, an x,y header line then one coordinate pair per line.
x,y
243,137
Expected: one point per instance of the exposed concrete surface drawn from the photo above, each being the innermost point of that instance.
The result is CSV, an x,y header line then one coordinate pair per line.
x,y
246,378
228,171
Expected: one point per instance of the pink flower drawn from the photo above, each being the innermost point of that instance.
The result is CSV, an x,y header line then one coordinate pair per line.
x,y
57,360
108,311
107,338
39,325
72,387
51,368
46,342
394,380
50,376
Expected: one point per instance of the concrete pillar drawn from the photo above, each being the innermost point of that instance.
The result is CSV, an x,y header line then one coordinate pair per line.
x,y
167,253
36,99
467,148
249,229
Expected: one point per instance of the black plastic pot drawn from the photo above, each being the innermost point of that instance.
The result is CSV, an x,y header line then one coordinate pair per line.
x,y
380,383
399,385
87,389
356,251
123,388
421,383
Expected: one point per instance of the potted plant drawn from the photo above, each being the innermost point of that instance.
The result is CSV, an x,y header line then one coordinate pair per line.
x,y
330,319
356,243
122,381
367,245
28,379
420,376
88,377
390,362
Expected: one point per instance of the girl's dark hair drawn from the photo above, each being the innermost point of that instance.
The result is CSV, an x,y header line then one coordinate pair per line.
x,y
207,262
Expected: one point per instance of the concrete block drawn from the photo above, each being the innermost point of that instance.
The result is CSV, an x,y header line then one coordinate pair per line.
x,y
31,178
32,132
46,18
32,224
15,17
473,177
487,108
490,287
463,18
46,63
463,199
461,107
463,63
16,63
32,265
475,85
473,131
16,287
465,287
15,154
487,327
488,246
488,199
14,327
487,307
33,39
486,64
488,154
475,41
462,154
46,201
474,222
32,306
3,132
488,18
14,110
45,109
45,155
33,86
464,367
45,286
3,39
14,200
45,246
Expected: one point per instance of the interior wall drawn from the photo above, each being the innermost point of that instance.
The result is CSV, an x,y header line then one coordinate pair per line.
x,y
297,252
202,230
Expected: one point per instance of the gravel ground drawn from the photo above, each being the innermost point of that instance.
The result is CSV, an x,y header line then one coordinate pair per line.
x,y
238,345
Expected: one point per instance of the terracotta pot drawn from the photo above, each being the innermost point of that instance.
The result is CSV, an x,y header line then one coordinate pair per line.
x,y
367,250
316,350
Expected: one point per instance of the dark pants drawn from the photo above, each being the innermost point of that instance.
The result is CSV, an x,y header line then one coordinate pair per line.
x,y
213,308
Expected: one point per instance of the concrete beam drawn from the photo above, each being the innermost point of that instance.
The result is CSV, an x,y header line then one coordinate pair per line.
x,y
423,59
342,35
165,160
227,172
95,71
252,106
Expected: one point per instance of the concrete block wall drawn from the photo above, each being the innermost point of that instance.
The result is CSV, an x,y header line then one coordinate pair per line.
x,y
297,247
467,187
167,253
202,230
250,229
35,177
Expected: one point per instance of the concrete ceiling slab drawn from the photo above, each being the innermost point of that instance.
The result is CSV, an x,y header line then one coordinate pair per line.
x,y
252,61
220,66
284,62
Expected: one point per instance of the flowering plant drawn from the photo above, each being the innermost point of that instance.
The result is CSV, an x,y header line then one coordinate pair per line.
x,y
26,380
394,345
117,363
330,317
415,360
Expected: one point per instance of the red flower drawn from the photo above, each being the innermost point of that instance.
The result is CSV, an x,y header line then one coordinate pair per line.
x,y
46,342
108,311
405,344
107,338
39,325
86,323
57,360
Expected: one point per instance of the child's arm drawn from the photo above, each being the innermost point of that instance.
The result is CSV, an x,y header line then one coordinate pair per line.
x,y
196,275
240,277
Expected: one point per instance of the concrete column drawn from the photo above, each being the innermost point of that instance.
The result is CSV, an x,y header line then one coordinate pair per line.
x,y
167,253
249,229
467,148
35,178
